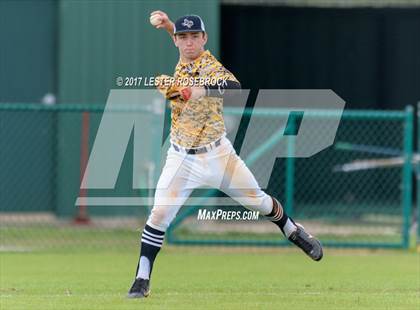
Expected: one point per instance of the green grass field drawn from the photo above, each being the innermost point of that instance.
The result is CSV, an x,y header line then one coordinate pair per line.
x,y
212,278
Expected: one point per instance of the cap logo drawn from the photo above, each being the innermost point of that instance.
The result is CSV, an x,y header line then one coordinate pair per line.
x,y
187,23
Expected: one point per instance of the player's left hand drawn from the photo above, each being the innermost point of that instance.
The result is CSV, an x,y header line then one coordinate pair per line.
x,y
185,93
173,91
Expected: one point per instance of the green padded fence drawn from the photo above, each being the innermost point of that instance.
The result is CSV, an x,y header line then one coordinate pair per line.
x,y
357,208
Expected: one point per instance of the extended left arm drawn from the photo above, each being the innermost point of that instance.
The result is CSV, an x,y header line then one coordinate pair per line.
x,y
213,90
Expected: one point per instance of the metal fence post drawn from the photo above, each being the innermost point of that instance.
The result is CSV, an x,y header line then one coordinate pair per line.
x,y
290,167
418,175
407,174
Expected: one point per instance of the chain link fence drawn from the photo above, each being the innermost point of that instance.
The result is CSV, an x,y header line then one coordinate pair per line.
x,y
43,154
357,192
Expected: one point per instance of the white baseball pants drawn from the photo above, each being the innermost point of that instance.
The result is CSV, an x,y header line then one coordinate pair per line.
x,y
219,168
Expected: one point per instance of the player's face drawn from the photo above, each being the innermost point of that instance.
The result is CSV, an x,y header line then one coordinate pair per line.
x,y
190,44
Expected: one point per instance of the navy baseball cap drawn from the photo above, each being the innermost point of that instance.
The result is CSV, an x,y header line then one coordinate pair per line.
x,y
189,23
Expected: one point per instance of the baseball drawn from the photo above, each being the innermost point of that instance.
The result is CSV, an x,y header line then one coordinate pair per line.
x,y
155,19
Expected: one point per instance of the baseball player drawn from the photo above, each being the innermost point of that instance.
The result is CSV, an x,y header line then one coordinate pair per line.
x,y
200,154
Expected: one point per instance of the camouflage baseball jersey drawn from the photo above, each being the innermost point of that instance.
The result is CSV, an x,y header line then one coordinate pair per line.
x,y
199,122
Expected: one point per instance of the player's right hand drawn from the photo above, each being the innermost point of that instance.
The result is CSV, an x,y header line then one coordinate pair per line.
x,y
165,21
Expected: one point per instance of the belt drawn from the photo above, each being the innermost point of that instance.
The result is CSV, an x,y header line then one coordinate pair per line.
x,y
199,150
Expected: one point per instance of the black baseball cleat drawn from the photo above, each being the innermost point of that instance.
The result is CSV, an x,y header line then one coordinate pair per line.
x,y
139,289
311,246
